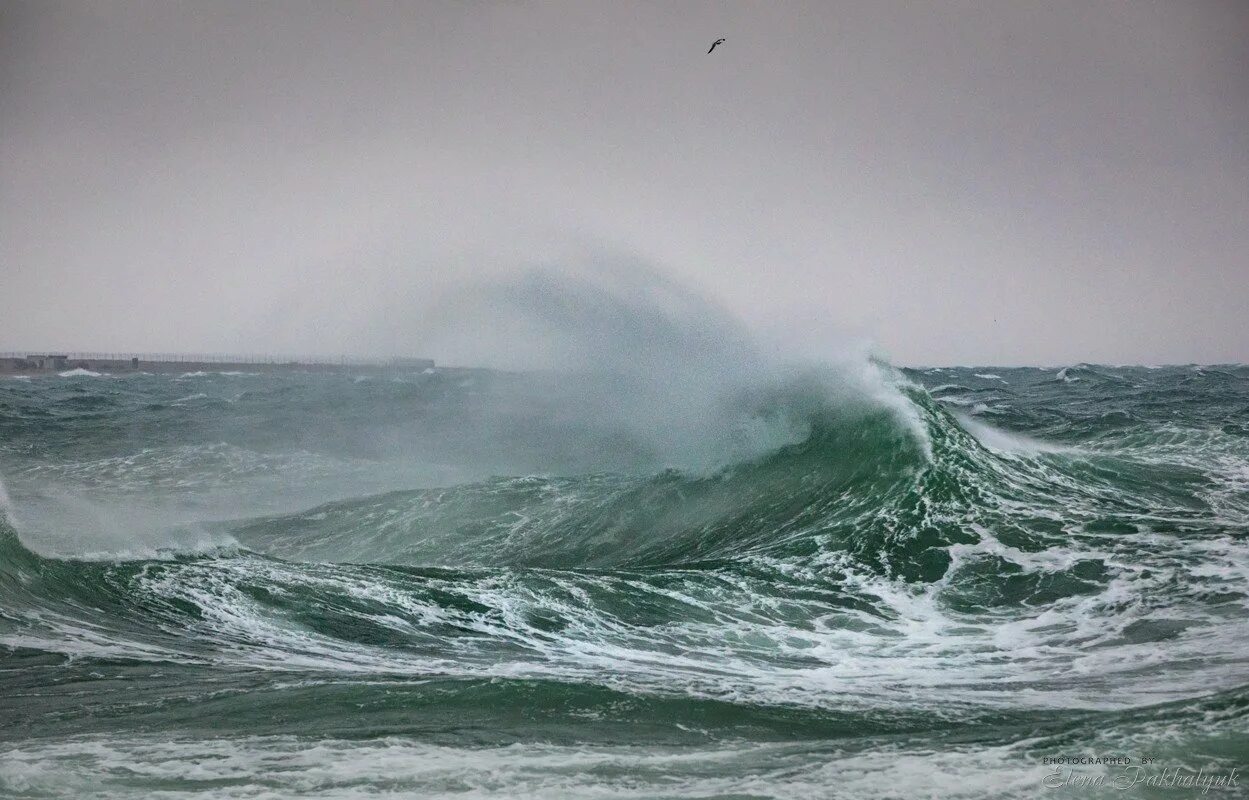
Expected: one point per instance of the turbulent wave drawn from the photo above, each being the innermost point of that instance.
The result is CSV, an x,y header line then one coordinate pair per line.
x,y
460,583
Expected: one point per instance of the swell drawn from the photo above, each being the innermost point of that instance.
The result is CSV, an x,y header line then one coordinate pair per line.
x,y
866,567
864,481
602,521
617,543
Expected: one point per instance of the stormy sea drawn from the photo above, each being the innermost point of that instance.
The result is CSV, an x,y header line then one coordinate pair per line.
x,y
858,582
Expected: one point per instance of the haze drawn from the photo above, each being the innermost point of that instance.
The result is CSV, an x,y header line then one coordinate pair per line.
x,y
955,182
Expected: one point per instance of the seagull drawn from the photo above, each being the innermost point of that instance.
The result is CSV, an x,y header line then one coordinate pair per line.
x,y
716,42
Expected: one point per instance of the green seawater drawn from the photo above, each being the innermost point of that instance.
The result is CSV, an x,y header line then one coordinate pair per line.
x,y
472,584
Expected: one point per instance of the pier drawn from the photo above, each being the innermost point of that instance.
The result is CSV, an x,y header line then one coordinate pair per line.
x,y
46,362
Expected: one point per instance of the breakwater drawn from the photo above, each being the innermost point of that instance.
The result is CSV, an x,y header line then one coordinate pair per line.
x,y
48,362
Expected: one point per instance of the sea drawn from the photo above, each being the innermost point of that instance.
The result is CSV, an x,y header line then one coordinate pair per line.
x,y
825,583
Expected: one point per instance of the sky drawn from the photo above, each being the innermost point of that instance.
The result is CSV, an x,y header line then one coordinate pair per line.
x,y
997,182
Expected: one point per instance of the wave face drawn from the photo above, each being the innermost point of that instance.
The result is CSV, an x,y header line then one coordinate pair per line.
x,y
474,584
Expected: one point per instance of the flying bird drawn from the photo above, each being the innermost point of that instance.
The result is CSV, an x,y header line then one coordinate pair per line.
x,y
716,42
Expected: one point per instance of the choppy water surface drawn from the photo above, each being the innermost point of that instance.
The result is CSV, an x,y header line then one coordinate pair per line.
x,y
469,584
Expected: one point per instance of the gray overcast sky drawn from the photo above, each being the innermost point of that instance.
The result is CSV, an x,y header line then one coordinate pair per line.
x,y
960,182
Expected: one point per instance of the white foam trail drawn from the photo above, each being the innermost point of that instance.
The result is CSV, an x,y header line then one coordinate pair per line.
x,y
1007,442
6,505
287,766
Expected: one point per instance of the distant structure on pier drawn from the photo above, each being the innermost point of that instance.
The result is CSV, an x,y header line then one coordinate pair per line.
x,y
412,363
25,363
43,362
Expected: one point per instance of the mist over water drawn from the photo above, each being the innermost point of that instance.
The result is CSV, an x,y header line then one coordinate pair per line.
x,y
616,344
